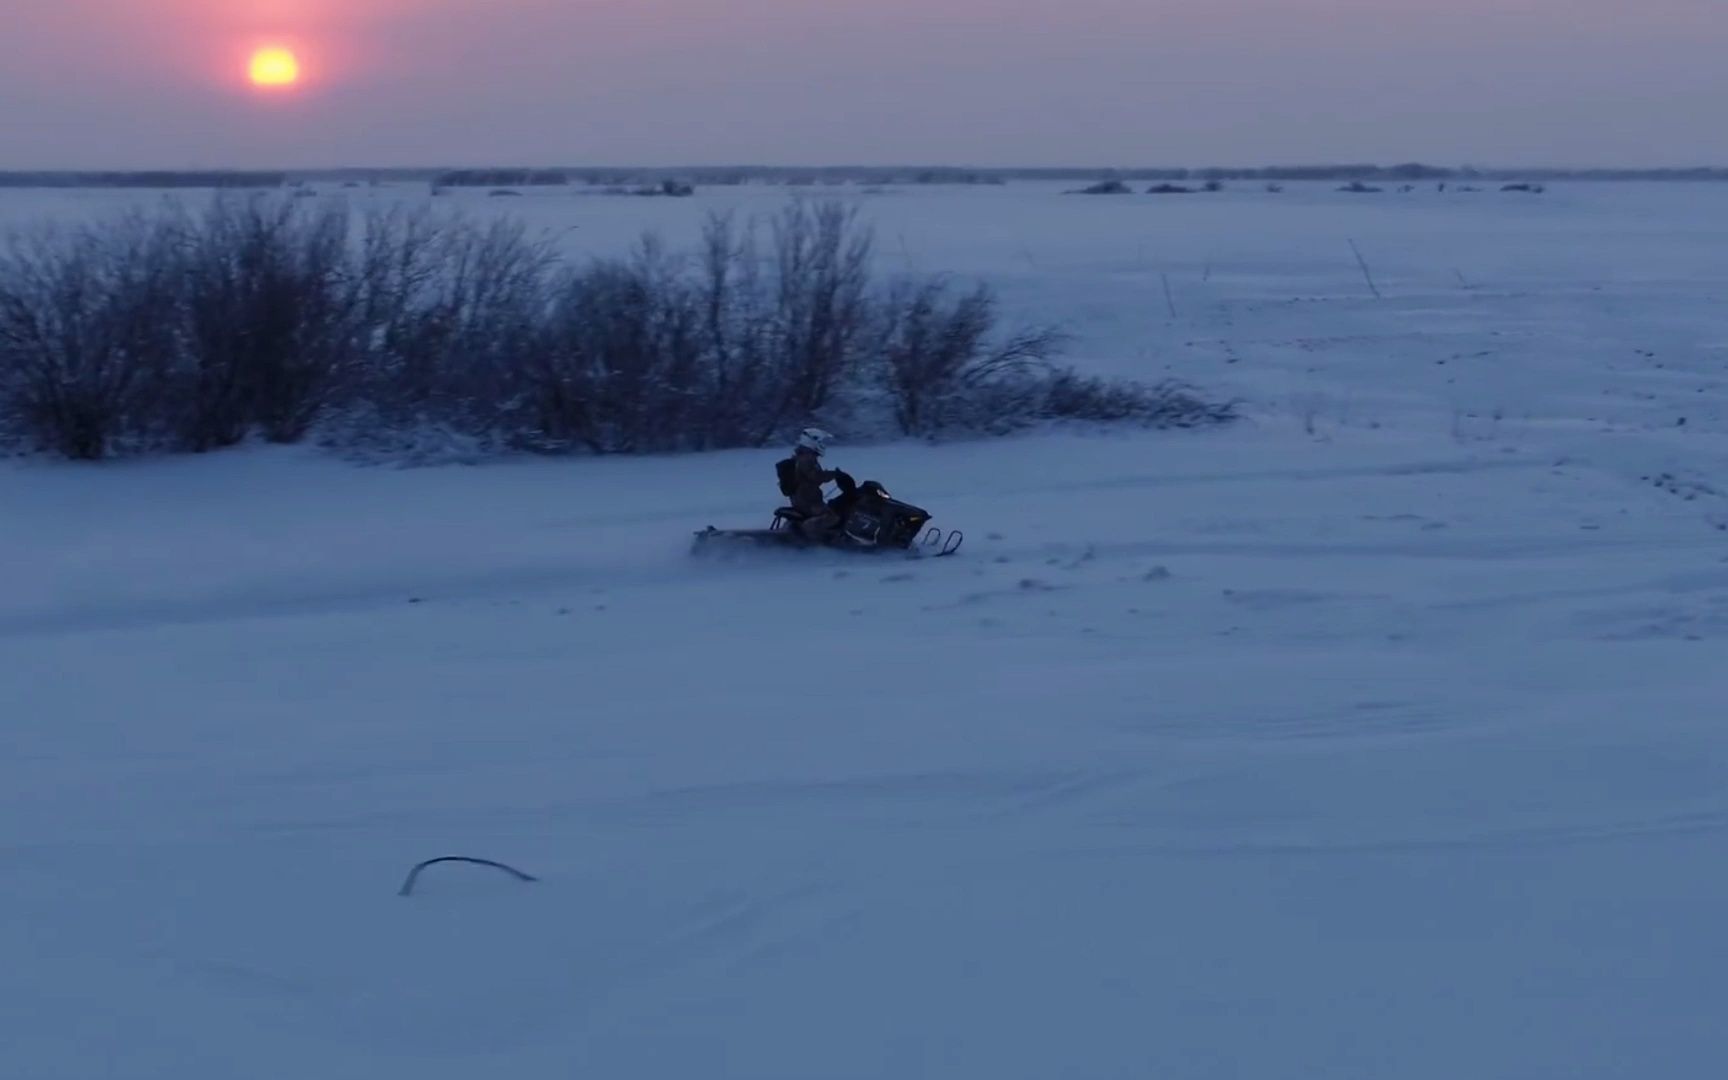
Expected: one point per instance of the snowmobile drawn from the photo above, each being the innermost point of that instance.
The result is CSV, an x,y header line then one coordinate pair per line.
x,y
870,520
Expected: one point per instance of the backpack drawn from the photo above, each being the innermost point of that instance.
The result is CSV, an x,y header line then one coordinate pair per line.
x,y
787,471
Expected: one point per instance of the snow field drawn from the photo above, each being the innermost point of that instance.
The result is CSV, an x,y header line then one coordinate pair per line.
x,y
1377,736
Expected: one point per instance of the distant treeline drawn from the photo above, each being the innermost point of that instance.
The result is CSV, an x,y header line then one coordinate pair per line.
x,y
501,178
1413,171
954,175
162,179
793,176
831,175
904,175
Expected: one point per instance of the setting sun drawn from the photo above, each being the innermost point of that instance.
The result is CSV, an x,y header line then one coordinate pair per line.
x,y
274,67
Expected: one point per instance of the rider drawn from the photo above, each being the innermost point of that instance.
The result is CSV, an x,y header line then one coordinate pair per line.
x,y
818,518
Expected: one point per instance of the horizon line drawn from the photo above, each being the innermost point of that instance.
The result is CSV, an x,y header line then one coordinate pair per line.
x,y
1315,166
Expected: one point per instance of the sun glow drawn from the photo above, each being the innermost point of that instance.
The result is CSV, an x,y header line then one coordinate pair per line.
x,y
274,68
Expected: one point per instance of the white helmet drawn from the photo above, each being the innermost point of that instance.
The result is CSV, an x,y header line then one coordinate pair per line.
x,y
814,439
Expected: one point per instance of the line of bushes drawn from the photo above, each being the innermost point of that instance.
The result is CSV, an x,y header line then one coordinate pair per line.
x,y
192,330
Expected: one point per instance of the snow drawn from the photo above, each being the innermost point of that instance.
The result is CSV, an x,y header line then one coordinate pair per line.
x,y
1377,736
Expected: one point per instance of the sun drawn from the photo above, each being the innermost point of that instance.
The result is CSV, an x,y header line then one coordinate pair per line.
x,y
274,68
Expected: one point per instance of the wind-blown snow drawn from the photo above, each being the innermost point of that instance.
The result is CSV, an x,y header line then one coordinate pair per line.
x,y
1378,736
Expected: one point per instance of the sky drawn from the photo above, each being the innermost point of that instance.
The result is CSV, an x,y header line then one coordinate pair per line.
x,y
162,83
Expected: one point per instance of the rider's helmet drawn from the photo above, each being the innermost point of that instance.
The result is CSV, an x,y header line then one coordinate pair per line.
x,y
814,439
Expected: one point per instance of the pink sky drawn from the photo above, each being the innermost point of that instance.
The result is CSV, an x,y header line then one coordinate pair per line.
x,y
158,83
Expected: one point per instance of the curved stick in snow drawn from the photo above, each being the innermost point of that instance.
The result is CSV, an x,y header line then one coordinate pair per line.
x,y
414,874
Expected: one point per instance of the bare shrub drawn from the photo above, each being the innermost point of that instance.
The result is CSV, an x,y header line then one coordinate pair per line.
x,y
453,313
1069,395
1041,396
656,352
820,316
399,259
622,368
433,337
84,344
939,361
745,405
268,317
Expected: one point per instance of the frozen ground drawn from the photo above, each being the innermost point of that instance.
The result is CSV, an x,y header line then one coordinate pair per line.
x,y
1380,736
